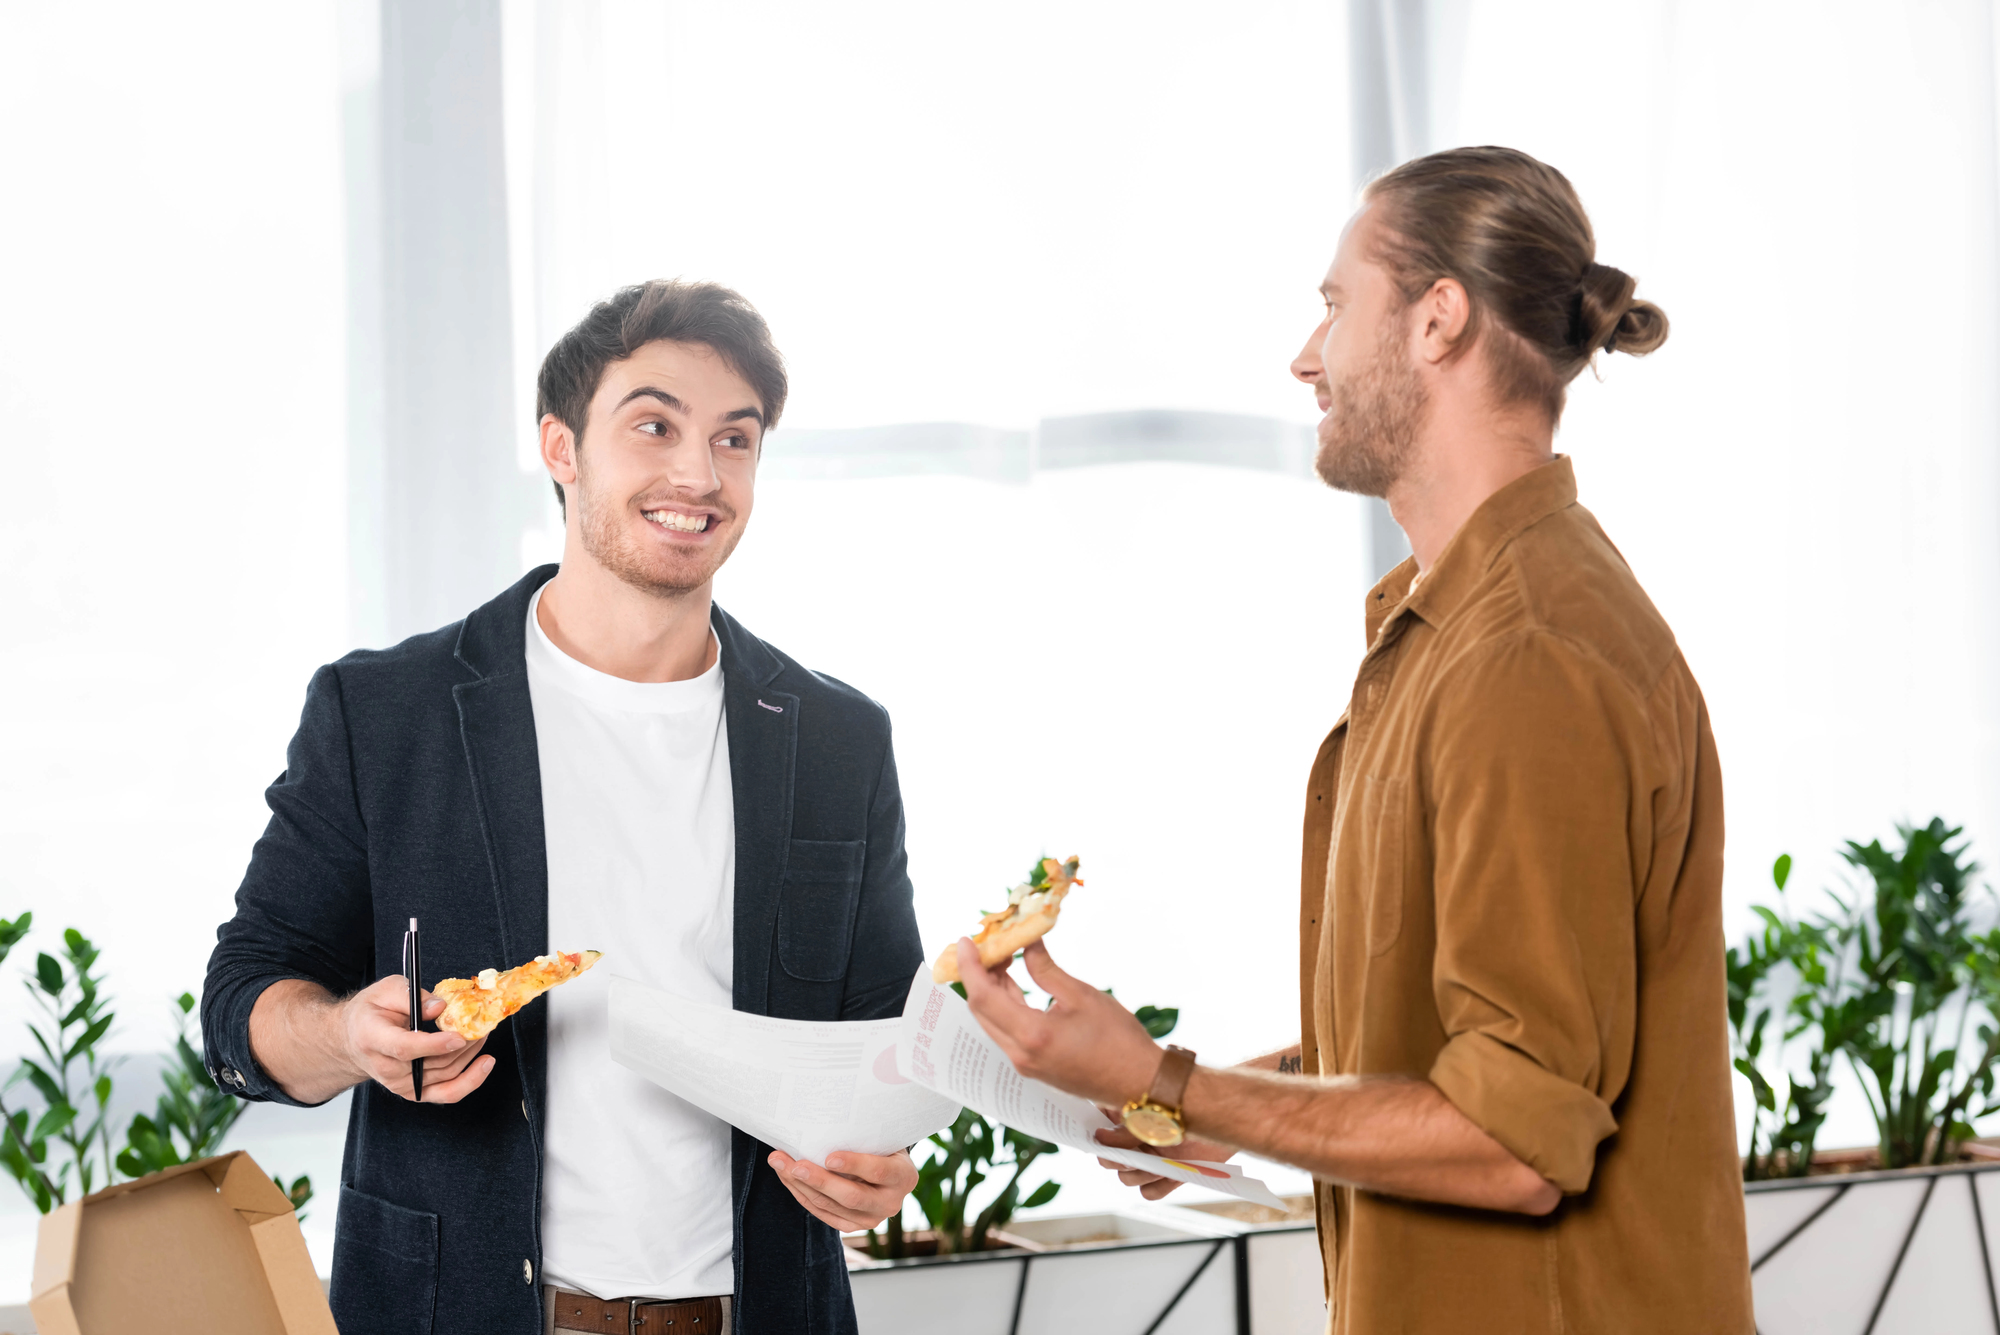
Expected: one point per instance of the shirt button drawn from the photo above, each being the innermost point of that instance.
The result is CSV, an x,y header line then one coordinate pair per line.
x,y
527,1271
233,1077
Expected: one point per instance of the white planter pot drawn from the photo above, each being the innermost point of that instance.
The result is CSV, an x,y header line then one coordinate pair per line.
x,y
1157,1270
1902,1253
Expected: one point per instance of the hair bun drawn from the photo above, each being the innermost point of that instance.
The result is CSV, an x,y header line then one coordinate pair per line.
x,y
1609,318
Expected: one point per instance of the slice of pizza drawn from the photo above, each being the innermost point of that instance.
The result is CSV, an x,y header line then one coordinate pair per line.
x,y
473,1006
1031,911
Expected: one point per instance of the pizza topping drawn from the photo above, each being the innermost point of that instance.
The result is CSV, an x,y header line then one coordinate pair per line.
x,y
1032,907
1035,894
473,1006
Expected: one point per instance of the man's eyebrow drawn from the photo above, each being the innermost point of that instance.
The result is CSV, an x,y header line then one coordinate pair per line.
x,y
651,392
1331,290
745,415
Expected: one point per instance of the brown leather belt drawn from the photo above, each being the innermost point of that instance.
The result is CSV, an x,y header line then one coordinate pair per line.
x,y
638,1316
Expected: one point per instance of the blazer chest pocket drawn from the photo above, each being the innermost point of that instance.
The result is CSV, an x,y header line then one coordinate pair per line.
x,y
816,905
1382,832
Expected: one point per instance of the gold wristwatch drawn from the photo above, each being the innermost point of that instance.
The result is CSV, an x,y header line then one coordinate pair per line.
x,y
1155,1116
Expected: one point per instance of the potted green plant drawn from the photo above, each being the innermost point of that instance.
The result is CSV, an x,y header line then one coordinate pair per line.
x,y
1892,991
67,1150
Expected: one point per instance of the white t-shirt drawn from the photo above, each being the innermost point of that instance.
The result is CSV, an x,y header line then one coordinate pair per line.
x,y
641,832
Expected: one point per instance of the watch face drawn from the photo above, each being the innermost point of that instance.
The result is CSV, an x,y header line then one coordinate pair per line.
x,y
1153,1125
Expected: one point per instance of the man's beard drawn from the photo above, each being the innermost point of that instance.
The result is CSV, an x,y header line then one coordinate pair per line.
x,y
1366,441
668,574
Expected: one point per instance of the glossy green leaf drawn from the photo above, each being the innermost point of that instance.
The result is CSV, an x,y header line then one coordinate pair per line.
x,y
89,1037
52,1122
1041,1195
43,1083
1767,1099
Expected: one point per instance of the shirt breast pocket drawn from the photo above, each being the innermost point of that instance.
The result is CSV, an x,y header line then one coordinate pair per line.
x,y
816,906
1383,804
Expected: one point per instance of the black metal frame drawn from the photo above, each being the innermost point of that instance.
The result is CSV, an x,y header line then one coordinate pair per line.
x,y
1842,1185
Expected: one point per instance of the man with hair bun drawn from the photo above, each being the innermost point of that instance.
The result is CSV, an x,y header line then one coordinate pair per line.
x,y
1513,1086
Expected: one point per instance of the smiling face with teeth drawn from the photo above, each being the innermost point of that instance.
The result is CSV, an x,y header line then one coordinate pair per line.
x,y
660,484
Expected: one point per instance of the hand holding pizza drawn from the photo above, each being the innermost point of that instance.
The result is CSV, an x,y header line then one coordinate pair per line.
x,y
1085,1043
374,1024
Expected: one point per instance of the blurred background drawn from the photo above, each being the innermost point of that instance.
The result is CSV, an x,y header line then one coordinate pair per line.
x,y
275,280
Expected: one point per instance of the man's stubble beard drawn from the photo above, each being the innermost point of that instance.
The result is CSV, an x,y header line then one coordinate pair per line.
x,y
1366,441
607,541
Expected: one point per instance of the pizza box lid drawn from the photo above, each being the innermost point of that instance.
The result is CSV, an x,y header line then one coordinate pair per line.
x,y
206,1248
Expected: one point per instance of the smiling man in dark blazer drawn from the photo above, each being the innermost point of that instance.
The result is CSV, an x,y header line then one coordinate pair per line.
x,y
599,758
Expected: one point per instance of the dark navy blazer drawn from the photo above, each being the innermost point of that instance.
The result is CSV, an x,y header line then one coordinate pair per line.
x,y
413,789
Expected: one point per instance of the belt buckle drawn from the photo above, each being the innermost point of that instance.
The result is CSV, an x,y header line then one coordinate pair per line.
x,y
632,1318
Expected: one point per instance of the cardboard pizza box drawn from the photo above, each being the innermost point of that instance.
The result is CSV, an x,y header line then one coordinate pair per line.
x,y
209,1248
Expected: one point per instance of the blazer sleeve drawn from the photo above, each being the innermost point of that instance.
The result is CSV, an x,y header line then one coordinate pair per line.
x,y
303,910
887,945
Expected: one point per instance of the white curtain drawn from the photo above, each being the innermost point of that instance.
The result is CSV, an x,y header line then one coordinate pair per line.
x,y
172,354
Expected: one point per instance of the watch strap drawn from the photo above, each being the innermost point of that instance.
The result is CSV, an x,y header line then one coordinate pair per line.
x,y
1170,1081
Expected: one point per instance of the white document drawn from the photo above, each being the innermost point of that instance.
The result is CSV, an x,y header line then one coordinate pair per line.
x,y
805,1087
942,1048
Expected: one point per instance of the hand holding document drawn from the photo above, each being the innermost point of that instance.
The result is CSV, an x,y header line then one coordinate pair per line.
x,y
807,1088
943,1048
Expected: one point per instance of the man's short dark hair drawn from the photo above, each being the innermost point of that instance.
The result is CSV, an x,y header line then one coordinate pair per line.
x,y
663,309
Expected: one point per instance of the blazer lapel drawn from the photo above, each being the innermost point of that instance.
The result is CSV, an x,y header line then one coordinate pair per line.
x,y
496,719
763,758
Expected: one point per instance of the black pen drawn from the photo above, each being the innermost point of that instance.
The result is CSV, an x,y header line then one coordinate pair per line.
x,y
413,969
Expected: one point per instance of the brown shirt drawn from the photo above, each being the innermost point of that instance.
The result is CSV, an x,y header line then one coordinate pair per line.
x,y
1512,886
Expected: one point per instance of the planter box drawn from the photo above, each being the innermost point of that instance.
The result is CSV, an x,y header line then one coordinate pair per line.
x,y
1912,1252
921,1245
1277,1262
1224,1268
1109,1274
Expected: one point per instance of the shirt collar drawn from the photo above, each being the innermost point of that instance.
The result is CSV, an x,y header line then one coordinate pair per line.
x,y
1470,553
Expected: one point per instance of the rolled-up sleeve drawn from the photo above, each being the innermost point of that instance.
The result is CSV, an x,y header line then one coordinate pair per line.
x,y
303,908
1541,793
